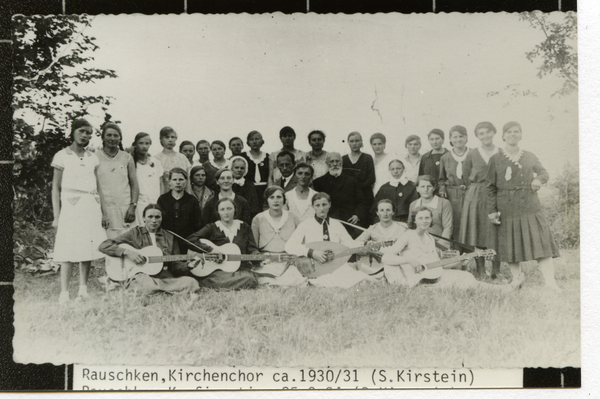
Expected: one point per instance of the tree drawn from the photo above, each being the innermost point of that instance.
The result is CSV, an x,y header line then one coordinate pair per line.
x,y
49,58
556,51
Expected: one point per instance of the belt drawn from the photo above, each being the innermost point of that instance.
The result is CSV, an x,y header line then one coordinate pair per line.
x,y
76,191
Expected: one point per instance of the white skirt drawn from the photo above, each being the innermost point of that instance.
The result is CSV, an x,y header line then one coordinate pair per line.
x,y
80,229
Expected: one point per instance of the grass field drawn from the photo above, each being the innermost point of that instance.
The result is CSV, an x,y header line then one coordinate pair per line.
x,y
368,325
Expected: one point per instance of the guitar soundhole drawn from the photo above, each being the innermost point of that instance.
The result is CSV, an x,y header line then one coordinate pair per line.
x,y
329,256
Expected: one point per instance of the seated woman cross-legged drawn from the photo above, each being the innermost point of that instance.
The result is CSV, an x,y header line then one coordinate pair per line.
x,y
173,278
272,228
414,259
322,229
224,231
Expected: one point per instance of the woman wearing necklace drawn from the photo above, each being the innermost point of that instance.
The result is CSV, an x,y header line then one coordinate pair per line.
x,y
452,180
399,190
198,186
360,166
212,166
271,229
119,188
381,160
441,208
77,211
149,173
181,211
520,232
168,157
259,163
224,179
227,229
475,226
317,157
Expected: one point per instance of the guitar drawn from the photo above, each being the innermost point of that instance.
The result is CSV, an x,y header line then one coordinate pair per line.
x,y
370,265
337,254
433,270
121,268
232,258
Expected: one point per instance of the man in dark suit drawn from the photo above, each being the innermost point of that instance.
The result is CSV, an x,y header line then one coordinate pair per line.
x,y
347,200
285,163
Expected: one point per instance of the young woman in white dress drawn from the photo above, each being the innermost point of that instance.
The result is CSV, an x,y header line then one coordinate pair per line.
x,y
77,211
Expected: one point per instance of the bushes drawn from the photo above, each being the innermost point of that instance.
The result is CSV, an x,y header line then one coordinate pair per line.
x,y
561,207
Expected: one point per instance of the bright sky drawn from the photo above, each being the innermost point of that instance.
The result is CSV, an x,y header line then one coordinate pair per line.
x,y
218,76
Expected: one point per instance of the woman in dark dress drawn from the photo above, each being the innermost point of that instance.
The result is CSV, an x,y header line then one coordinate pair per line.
x,y
224,179
452,179
198,186
243,186
399,190
217,163
227,230
181,211
360,166
520,231
430,161
475,226
259,163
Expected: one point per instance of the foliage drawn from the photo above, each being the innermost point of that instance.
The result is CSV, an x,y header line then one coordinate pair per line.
x,y
562,207
50,54
371,324
556,51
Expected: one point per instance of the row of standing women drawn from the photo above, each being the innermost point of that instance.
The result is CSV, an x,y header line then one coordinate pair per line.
x,y
481,186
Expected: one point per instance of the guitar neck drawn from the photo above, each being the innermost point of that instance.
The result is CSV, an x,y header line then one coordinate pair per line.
x,y
448,261
244,257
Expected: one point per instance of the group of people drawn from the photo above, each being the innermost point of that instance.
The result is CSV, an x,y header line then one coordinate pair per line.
x,y
280,203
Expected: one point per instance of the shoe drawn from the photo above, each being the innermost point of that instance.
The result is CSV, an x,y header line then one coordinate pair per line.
x,y
83,294
63,297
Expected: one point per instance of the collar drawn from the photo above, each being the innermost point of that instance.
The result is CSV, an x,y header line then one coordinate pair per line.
x,y
320,220
239,181
484,155
260,158
276,225
459,158
514,159
211,161
69,151
335,175
402,180
433,204
229,233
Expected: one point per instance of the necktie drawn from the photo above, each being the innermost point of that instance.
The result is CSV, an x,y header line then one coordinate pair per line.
x,y
283,179
324,223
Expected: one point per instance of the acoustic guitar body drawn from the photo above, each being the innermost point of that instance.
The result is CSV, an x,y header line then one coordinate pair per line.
x,y
230,266
427,276
121,268
311,268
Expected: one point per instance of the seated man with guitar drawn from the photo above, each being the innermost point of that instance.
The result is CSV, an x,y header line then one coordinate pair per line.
x,y
323,247
231,239
414,258
137,257
385,233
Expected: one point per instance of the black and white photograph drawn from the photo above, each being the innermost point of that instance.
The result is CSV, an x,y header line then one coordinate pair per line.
x,y
269,190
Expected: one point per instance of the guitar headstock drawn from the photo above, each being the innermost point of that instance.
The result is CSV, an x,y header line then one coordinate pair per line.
x,y
488,254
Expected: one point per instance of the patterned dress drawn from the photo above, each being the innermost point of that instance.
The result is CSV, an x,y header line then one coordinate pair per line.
x,y
523,233
113,176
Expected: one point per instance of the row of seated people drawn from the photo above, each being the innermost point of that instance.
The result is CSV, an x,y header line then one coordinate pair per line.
x,y
278,231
